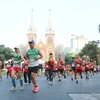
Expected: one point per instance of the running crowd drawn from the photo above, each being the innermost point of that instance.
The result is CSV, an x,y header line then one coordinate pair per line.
x,y
31,65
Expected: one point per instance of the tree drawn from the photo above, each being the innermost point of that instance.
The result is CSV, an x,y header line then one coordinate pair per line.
x,y
91,49
68,57
5,53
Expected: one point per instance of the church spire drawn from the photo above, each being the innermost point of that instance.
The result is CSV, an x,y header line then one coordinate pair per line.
x,y
32,28
50,28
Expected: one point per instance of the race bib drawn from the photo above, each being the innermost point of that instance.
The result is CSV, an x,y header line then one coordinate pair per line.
x,y
78,65
46,66
73,65
31,61
59,65
87,65
26,67
91,66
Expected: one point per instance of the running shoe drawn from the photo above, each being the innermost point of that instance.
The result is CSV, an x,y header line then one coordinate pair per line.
x,y
35,89
13,88
21,87
59,80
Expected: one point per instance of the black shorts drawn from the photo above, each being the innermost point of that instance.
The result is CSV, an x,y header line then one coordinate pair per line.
x,y
61,71
86,71
55,71
92,69
73,69
46,71
33,69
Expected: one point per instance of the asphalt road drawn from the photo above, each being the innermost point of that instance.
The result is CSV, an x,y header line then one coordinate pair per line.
x,y
64,90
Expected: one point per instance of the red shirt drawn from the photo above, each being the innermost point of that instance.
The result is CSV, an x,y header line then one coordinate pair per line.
x,y
47,67
50,64
87,64
60,64
78,63
26,66
68,67
91,65
55,67
8,67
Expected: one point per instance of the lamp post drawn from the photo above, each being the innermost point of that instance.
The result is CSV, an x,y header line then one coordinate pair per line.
x,y
77,37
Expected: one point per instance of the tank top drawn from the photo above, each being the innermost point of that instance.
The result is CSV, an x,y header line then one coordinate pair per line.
x,y
32,54
17,59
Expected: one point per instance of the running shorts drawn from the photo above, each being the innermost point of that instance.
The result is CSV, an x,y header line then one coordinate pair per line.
x,y
79,71
61,71
16,69
33,69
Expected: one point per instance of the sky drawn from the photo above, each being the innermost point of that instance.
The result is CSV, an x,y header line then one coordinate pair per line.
x,y
78,17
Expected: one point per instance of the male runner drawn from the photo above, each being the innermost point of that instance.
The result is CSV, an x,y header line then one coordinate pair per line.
x,y
87,63
17,69
91,67
78,64
51,64
68,67
47,68
60,65
8,69
72,64
33,55
26,72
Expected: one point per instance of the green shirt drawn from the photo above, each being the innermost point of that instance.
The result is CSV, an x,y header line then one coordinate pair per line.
x,y
32,55
17,59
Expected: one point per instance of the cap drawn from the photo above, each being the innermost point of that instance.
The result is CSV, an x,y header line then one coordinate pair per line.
x,y
16,47
50,54
31,41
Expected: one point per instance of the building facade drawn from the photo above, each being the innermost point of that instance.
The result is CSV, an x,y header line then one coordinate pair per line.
x,y
78,43
48,46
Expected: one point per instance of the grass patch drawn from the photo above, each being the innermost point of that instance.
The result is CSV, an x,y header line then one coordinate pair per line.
x,y
4,73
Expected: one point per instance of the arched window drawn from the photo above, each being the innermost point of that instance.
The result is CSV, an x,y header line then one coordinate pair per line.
x,y
49,39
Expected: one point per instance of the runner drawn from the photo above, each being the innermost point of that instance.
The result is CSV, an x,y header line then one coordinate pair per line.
x,y
0,70
91,67
8,69
78,64
17,69
68,67
87,63
47,68
33,55
55,69
72,64
26,73
60,65
40,69
51,64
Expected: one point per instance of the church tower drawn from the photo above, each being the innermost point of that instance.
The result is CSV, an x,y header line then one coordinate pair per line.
x,y
31,31
50,46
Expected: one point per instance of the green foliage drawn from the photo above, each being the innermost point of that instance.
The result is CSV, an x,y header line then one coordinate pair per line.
x,y
5,53
68,57
90,49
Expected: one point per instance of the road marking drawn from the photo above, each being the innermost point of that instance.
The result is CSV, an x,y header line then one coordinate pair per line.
x,y
85,96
